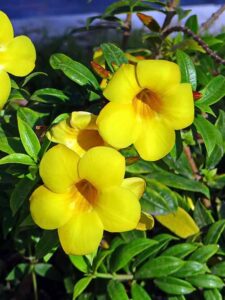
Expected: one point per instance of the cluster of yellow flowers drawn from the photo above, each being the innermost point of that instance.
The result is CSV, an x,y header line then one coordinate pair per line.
x,y
84,190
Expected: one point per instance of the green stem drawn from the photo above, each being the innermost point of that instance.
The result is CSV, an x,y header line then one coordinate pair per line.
x,y
120,277
34,280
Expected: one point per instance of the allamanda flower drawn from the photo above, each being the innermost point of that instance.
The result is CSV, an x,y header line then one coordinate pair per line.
x,y
78,132
17,56
147,104
83,196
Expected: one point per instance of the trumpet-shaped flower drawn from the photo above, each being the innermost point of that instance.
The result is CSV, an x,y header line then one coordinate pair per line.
x,y
147,104
17,56
79,132
83,196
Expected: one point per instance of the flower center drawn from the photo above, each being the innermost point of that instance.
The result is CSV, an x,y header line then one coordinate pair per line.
x,y
89,138
85,195
147,103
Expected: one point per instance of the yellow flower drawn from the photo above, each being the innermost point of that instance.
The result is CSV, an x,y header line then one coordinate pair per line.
x,y
17,56
79,132
147,104
84,196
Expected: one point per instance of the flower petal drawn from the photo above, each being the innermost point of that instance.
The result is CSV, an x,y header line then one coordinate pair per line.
x,y
178,106
5,88
123,87
58,169
83,120
19,56
6,29
156,139
82,234
146,222
119,209
50,210
135,185
158,75
117,124
102,167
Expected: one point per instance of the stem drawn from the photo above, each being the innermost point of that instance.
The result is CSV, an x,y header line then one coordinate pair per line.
x,y
34,280
187,152
127,31
197,38
205,26
120,277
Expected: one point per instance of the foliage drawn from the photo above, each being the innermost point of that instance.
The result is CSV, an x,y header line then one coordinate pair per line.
x,y
156,264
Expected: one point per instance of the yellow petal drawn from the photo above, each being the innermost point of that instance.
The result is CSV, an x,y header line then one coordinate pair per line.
x,y
58,169
19,57
178,106
50,210
155,140
119,209
135,185
102,167
83,120
179,222
158,75
117,124
5,88
146,222
82,234
6,29
123,86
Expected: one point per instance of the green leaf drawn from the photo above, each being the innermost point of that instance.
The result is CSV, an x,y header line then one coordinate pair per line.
x,y
159,267
73,70
29,116
10,145
214,232
215,157
180,250
47,244
180,297
206,281
80,286
172,285
212,294
210,134
218,269
188,72
21,193
192,23
139,293
123,254
203,253
191,268
18,272
116,290
17,158
220,124
79,262
47,271
129,236
212,93
33,75
113,55
202,216
29,139
48,95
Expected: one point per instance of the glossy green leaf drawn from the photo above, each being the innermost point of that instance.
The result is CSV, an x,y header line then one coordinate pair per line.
x,y
206,281
190,268
79,262
180,297
174,286
159,267
29,139
139,293
202,215
129,236
180,250
19,271
220,124
73,70
203,253
113,55
212,294
219,269
31,76
10,145
47,271
188,72
116,290
214,232
212,93
215,157
17,158
210,134
123,254
80,286
47,243
48,95
192,23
